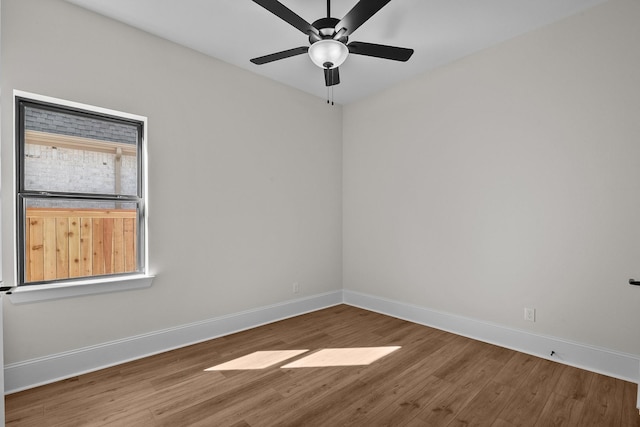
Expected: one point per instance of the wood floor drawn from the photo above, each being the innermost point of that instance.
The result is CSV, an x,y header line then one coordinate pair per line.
x,y
434,379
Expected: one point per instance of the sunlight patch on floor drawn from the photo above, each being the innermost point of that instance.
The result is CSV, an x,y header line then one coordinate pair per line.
x,y
257,360
342,357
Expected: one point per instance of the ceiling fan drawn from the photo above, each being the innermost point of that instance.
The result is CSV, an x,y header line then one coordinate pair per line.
x,y
328,38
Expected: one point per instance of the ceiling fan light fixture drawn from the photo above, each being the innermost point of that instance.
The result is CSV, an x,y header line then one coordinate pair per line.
x,y
328,53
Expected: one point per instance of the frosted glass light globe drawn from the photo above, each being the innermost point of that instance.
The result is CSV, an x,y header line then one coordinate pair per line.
x,y
328,53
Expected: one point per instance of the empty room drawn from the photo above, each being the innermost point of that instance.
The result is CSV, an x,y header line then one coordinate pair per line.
x,y
205,221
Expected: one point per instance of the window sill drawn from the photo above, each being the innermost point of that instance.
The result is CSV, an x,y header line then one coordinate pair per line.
x,y
36,293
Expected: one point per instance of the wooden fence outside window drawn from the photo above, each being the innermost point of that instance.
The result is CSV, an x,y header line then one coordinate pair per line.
x,y
71,243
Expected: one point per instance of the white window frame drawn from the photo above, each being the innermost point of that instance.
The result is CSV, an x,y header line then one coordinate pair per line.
x,y
84,286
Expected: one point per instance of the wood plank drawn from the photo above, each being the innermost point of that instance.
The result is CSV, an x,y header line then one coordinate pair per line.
x,y
402,404
135,245
36,250
86,247
480,411
27,250
118,245
444,408
129,235
524,408
75,253
603,403
516,370
543,377
458,366
315,405
97,249
49,248
630,418
85,213
25,416
62,248
107,244
228,413
574,383
232,416
560,411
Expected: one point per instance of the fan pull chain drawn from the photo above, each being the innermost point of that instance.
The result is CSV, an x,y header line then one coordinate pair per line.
x,y
330,95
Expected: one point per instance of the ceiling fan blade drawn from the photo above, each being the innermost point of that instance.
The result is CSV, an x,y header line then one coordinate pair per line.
x,y
287,15
331,76
360,13
380,51
280,55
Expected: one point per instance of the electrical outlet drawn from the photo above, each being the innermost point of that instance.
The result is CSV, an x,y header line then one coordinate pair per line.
x,y
530,314
296,288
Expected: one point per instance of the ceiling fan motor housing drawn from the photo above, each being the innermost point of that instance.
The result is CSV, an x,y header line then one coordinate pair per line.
x,y
327,29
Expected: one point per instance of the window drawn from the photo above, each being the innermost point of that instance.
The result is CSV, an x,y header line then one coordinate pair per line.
x,y
80,192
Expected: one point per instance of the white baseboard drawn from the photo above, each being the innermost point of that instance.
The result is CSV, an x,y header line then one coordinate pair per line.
x,y
32,373
600,360
44,370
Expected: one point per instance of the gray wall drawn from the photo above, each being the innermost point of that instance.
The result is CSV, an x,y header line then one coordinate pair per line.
x,y
506,180
245,177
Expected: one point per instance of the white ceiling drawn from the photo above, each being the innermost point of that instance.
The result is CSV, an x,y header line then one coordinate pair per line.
x,y
440,31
